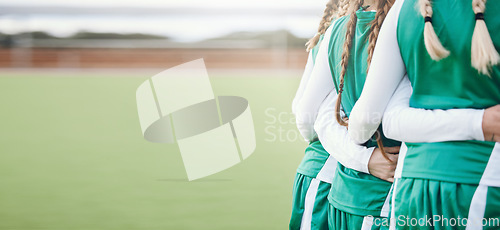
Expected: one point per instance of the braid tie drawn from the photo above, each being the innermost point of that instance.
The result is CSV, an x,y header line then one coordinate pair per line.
x,y
483,52
480,16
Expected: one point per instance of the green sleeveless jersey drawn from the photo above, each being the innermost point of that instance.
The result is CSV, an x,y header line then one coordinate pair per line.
x,y
353,191
447,84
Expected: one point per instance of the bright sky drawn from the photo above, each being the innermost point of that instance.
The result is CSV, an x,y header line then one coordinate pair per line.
x,y
174,3
182,27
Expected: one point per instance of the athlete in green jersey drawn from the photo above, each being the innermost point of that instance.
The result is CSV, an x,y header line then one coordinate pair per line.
x,y
449,52
356,199
314,174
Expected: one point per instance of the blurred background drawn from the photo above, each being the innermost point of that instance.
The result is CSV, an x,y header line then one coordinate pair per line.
x,y
151,33
72,155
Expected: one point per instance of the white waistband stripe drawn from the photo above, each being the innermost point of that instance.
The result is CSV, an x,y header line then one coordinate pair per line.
x,y
328,171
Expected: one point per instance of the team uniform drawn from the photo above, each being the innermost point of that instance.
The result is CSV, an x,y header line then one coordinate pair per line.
x,y
318,100
444,184
314,174
356,197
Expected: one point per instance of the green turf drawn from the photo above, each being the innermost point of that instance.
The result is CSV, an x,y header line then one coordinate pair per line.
x,y
72,157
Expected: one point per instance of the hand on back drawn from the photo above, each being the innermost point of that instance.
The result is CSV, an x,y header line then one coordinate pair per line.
x,y
380,167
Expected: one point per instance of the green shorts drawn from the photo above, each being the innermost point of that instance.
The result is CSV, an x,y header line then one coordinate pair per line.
x,y
339,220
310,203
432,204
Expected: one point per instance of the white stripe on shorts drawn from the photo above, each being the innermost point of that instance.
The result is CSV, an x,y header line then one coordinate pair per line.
x,y
309,201
489,178
477,208
392,220
385,208
327,171
367,223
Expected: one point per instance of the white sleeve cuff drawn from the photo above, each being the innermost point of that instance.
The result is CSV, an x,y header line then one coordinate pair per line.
x,y
477,125
364,158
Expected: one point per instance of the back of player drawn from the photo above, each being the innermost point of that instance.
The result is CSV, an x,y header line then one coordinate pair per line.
x,y
452,62
448,49
357,199
314,174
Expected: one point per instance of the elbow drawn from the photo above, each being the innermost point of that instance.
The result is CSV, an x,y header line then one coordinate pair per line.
x,y
356,136
306,129
389,129
389,132
362,126
303,118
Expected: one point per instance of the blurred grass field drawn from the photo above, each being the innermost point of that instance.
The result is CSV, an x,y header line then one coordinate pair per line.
x,y
72,156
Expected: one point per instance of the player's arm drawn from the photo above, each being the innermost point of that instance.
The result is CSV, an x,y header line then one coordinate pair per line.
x,y
339,145
403,123
386,72
320,83
303,82
380,100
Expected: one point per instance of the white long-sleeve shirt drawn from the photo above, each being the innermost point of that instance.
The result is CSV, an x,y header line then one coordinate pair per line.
x,y
386,96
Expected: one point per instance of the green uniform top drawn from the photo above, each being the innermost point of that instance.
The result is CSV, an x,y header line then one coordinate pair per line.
x,y
352,191
449,83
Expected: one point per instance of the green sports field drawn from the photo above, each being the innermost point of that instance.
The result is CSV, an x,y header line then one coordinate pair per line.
x,y
72,156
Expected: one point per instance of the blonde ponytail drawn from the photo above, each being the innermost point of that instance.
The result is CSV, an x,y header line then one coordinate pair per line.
x,y
483,52
434,47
